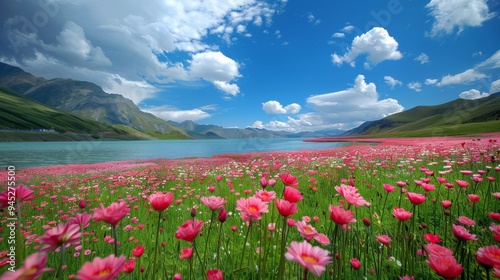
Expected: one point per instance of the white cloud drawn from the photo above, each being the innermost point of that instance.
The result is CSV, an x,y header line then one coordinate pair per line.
x,y
457,14
416,86
473,94
217,68
274,107
157,44
348,28
377,44
359,103
495,86
422,58
467,76
492,62
173,114
312,19
392,82
338,35
431,81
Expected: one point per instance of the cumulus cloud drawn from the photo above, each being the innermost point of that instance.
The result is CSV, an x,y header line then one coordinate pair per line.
x,y
431,81
312,19
458,14
377,44
358,103
473,94
338,35
148,45
416,86
495,86
173,114
392,82
274,107
469,75
422,58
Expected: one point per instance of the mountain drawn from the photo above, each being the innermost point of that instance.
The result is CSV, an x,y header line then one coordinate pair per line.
x,y
204,131
87,100
461,116
21,115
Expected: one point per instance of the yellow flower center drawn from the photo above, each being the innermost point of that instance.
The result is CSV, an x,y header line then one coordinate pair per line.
x,y
104,272
309,259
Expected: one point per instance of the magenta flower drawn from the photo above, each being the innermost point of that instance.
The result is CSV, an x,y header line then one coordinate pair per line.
x,y
189,230
251,208
286,208
312,258
292,195
462,233
102,269
384,239
213,202
341,216
111,214
161,201
416,198
33,268
351,195
306,231
22,194
401,214
289,180
62,234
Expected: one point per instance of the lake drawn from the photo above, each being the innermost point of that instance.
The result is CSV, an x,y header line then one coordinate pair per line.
x,y
32,154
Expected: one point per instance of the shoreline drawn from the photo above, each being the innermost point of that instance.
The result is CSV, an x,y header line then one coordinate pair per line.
x,y
125,165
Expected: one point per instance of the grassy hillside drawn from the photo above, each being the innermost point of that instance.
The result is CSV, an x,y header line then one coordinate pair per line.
x,y
457,117
21,113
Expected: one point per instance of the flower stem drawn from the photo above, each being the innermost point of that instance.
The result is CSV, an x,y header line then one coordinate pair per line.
x,y
245,245
116,241
156,244
281,267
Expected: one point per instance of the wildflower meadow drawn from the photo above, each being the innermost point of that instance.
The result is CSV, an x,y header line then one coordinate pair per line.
x,y
419,209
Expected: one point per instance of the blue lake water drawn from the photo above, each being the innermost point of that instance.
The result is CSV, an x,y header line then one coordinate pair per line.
x,y
31,154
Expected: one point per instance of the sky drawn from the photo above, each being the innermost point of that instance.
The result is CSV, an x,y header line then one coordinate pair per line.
x,y
294,65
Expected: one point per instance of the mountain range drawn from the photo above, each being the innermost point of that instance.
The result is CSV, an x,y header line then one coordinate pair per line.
x,y
71,106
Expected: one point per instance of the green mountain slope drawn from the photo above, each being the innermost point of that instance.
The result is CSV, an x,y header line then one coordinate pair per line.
x,y
460,116
21,113
87,100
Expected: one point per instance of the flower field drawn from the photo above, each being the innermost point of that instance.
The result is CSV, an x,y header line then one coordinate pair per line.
x,y
420,208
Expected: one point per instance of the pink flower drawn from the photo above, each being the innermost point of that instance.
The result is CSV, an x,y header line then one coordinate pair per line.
x,y
292,195
102,269
289,180
62,234
494,215
445,266
33,267
213,202
488,256
263,182
189,230
384,239
432,238
351,195
428,187
306,231
222,215
341,216
22,194
466,221
462,183
214,274
388,188
186,253
251,208
286,208
462,233
434,249
111,214
312,258
322,239
446,204
401,214
474,197
138,251
82,220
161,201
416,198
496,231
265,195
129,266
355,263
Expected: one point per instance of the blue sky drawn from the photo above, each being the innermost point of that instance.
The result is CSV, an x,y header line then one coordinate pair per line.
x,y
291,65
